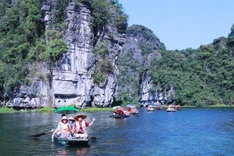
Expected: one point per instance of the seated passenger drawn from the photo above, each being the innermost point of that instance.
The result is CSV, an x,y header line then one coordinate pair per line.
x,y
178,107
119,111
150,108
81,126
72,126
62,129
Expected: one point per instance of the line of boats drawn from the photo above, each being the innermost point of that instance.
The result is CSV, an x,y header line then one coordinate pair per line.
x,y
121,112
170,108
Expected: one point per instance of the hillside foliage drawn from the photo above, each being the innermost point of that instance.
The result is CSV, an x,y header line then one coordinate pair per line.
x,y
200,77
23,42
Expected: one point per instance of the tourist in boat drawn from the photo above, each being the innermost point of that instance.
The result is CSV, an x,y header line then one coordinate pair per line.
x,y
178,107
170,108
119,111
81,126
132,109
72,125
158,107
62,129
150,108
126,113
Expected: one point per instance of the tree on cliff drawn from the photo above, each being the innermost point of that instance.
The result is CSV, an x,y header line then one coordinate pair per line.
x,y
22,41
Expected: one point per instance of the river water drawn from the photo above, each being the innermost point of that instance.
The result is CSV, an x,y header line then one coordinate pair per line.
x,y
186,132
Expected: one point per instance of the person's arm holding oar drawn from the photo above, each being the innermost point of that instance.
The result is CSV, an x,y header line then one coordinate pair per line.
x,y
55,131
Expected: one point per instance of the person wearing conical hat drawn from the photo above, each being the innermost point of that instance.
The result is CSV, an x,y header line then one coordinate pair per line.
x,y
81,126
62,129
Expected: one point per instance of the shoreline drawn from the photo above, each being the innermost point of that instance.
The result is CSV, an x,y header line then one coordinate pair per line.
x,y
5,110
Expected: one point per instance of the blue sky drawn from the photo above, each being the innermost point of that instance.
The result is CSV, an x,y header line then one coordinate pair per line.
x,y
181,24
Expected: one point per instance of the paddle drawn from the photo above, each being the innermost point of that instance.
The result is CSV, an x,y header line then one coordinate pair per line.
x,y
40,134
94,139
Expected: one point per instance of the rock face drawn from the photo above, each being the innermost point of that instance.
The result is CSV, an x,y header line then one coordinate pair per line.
x,y
142,47
72,76
71,80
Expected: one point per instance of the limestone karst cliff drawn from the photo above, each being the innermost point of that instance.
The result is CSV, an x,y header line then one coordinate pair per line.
x,y
142,47
102,63
74,77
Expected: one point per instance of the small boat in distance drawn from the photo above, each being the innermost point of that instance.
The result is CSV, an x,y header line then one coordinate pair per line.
x,y
158,107
150,108
132,109
171,108
119,116
119,112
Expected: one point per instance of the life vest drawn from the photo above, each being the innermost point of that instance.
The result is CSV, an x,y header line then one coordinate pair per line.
x,y
63,126
83,125
72,125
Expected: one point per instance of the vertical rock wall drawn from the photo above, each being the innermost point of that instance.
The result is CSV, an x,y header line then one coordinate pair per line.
x,y
72,76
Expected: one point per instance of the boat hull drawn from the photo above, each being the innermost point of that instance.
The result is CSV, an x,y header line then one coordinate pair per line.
x,y
119,116
171,110
72,141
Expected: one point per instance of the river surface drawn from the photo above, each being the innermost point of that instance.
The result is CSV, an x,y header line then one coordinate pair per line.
x,y
186,132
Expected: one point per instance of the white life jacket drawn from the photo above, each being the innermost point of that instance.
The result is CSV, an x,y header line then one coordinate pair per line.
x,y
63,126
83,126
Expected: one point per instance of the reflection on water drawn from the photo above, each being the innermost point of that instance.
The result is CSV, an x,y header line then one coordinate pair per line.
x,y
187,132
82,151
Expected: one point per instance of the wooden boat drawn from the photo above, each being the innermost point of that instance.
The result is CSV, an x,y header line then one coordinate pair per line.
x,y
72,141
119,116
150,109
135,113
171,110
159,107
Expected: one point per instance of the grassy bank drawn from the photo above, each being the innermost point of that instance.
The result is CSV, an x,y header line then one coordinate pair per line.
x,y
87,109
52,110
45,110
7,110
95,109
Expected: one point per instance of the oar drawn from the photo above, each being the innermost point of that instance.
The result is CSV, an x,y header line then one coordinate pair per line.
x,y
94,139
40,134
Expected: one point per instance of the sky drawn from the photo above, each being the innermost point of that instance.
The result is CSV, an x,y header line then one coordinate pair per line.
x,y
181,24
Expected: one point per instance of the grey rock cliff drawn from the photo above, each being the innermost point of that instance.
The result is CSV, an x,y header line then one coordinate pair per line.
x,y
142,47
72,76
71,79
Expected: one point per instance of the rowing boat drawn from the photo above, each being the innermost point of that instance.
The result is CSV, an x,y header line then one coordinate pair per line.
x,y
72,141
119,116
171,110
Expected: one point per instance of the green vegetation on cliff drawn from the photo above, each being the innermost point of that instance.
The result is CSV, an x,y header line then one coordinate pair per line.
x,y
200,77
23,41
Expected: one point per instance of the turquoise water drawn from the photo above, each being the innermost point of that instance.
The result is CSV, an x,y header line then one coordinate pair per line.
x,y
186,132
